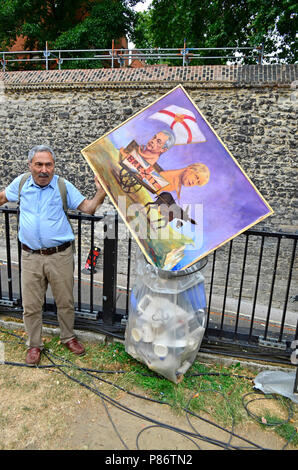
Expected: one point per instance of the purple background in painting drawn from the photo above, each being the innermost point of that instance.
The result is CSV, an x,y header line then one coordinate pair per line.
x,y
230,202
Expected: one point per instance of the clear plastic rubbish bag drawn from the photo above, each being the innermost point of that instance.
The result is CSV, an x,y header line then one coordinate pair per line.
x,y
167,319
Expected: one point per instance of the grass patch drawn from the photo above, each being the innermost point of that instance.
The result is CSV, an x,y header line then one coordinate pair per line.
x,y
288,432
216,392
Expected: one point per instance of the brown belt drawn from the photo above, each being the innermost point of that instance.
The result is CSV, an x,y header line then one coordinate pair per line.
x,y
47,251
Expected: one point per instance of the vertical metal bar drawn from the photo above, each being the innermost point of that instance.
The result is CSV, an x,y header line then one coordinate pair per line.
x,y
79,260
110,268
0,282
296,382
256,286
20,269
211,288
226,284
92,267
47,61
272,287
261,55
128,274
8,255
241,284
288,290
112,53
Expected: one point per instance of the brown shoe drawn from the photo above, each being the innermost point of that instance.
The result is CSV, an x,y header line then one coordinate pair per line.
x,y
75,347
33,356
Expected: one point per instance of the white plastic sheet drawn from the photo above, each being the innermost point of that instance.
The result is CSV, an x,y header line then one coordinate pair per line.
x,y
278,382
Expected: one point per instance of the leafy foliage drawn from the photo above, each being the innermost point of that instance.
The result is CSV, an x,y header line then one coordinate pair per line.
x,y
107,20
36,20
88,24
65,24
221,23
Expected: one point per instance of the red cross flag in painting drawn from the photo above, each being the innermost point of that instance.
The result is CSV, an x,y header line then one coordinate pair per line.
x,y
183,124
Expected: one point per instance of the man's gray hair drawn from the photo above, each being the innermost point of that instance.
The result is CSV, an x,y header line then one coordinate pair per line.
x,y
40,148
170,141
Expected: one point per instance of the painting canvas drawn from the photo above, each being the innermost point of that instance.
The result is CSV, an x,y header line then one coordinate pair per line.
x,y
177,187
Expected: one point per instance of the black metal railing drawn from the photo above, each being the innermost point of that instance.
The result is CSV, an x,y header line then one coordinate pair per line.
x,y
281,260
263,328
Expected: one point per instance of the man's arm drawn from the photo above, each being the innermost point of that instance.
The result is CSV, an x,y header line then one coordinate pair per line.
x,y
89,206
3,198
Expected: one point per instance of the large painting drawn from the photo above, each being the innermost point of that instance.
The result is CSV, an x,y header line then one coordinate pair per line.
x,y
175,184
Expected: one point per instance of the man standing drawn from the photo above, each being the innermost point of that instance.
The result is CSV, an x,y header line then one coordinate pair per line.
x,y
47,254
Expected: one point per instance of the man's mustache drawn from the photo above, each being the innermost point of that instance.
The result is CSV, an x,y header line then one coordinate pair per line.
x,y
44,175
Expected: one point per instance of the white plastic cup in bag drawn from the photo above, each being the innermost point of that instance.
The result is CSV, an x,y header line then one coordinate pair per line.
x,y
136,334
160,350
144,334
147,334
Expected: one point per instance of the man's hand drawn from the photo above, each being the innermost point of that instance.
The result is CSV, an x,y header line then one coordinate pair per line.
x,y
98,185
3,199
89,206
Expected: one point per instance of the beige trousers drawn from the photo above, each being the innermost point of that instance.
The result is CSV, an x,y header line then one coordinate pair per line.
x,y
39,271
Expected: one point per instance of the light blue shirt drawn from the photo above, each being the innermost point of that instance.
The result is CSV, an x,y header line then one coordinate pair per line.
x,y
43,223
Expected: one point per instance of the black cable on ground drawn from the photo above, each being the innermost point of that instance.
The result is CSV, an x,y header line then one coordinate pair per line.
x,y
137,414
233,420
259,419
100,394
105,398
159,426
266,397
127,409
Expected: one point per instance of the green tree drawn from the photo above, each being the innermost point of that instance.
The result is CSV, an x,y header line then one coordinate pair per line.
x,y
221,23
106,20
37,21
66,24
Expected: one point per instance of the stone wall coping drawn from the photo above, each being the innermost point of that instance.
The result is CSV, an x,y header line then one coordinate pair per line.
x,y
210,76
